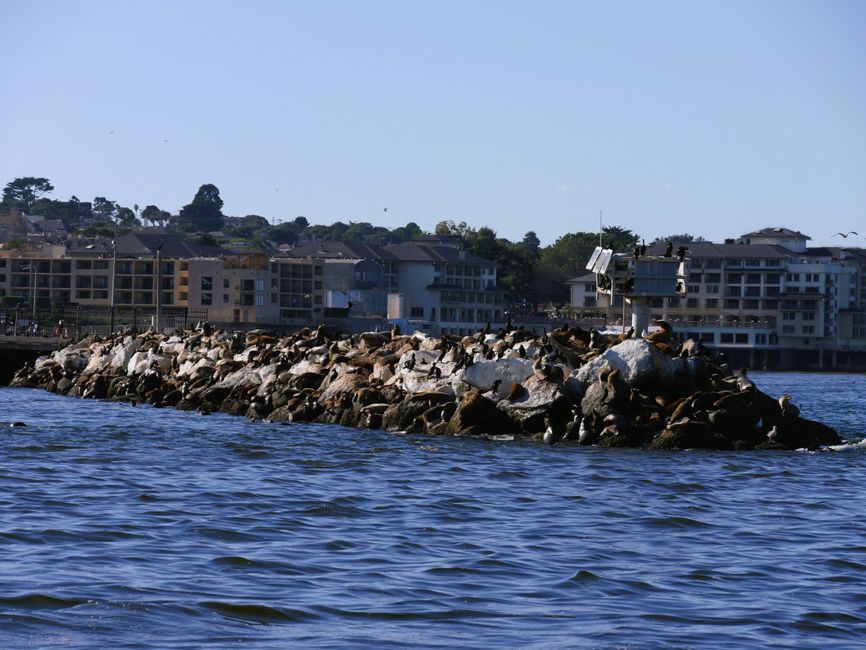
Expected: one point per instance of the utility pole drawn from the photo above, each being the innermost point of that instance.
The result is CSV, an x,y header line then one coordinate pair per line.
x,y
111,294
33,292
158,282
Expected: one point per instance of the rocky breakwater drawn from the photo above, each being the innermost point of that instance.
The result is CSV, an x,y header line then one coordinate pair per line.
x,y
566,385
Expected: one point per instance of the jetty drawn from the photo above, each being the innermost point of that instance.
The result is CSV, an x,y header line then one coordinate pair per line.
x,y
566,385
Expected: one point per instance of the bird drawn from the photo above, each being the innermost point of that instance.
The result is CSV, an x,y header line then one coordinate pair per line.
x,y
774,434
669,249
111,133
385,210
844,235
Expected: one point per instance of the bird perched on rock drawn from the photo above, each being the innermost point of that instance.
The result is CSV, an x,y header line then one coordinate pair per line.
x,y
409,364
773,434
435,372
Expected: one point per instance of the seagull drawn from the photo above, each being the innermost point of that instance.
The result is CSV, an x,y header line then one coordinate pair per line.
x,y
385,210
845,234
111,133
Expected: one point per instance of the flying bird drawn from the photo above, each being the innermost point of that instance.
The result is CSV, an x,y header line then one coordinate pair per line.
x,y
845,234
385,210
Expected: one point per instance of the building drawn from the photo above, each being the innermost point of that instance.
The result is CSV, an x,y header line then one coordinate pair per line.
x,y
770,300
431,286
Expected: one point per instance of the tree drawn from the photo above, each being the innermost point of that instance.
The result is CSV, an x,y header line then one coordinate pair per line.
x,y
204,213
154,215
619,239
104,209
564,259
531,242
677,239
443,228
301,222
126,218
481,242
23,192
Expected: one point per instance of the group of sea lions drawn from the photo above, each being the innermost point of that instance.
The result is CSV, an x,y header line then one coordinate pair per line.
x,y
568,384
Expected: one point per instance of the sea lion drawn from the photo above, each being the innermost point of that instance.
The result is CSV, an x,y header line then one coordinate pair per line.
x,y
662,335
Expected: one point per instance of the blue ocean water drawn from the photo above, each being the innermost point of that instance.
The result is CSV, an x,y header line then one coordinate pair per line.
x,y
126,527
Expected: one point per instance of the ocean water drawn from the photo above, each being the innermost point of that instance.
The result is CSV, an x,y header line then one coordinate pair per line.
x,y
135,527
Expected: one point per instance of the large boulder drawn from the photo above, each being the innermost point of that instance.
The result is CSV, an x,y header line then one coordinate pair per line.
x,y
476,414
637,360
538,398
483,374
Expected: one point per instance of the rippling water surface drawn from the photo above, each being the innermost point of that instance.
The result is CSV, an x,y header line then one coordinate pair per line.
x,y
150,528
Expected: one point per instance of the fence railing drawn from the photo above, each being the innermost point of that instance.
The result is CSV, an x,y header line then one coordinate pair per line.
x,y
67,321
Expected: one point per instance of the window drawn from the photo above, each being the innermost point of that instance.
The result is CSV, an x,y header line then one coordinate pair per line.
x,y
808,329
741,338
714,277
787,329
207,298
711,303
225,298
416,312
788,315
207,283
692,303
712,288
225,283
726,337
732,304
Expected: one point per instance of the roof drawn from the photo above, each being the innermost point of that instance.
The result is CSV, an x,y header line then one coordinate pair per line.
x,y
405,252
782,233
149,242
708,249
589,277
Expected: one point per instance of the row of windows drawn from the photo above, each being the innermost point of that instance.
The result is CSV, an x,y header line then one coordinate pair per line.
x,y
792,329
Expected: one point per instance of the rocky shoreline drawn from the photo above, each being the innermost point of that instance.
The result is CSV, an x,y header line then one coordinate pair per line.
x,y
566,385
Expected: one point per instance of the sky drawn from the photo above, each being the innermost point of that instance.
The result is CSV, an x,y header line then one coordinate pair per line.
x,y
711,117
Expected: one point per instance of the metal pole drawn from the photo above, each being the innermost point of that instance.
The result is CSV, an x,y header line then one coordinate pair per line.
x,y
33,294
158,279
111,295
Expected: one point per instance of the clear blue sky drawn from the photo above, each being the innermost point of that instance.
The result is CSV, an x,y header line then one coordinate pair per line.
x,y
711,117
